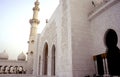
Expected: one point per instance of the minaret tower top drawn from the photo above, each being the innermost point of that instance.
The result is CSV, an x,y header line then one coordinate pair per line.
x,y
34,21
35,13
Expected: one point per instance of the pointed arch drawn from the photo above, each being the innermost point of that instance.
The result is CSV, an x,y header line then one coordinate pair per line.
x,y
45,59
53,58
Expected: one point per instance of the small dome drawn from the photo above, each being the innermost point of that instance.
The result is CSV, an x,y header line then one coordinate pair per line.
x,y
22,57
4,55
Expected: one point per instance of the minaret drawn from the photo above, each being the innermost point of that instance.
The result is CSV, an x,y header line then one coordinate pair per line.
x,y
32,38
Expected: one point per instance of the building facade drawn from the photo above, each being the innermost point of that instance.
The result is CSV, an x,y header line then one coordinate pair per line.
x,y
74,40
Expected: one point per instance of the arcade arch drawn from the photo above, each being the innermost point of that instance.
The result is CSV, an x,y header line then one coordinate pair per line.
x,y
45,59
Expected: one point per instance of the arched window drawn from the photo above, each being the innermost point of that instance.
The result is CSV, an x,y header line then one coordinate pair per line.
x,y
20,69
16,69
45,59
11,69
5,69
53,61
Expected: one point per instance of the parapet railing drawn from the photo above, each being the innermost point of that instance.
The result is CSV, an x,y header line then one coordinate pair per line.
x,y
99,7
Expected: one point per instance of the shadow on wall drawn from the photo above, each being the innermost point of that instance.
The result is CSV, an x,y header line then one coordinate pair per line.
x,y
108,63
113,52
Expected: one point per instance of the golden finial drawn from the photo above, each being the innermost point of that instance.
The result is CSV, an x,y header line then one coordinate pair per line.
x,y
36,3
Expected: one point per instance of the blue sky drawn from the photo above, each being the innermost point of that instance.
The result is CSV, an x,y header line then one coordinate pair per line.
x,y
14,23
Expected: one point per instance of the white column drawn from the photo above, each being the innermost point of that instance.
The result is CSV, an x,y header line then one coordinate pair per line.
x,y
103,58
106,72
95,64
106,64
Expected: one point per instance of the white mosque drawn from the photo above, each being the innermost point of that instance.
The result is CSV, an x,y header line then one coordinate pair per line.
x,y
81,39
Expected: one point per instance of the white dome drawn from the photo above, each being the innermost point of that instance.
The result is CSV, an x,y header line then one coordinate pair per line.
x,y
22,57
4,55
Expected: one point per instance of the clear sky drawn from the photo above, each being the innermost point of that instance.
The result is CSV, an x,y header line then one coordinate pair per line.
x,y
14,23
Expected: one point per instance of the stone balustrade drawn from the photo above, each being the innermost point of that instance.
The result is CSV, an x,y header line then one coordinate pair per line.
x,y
12,70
